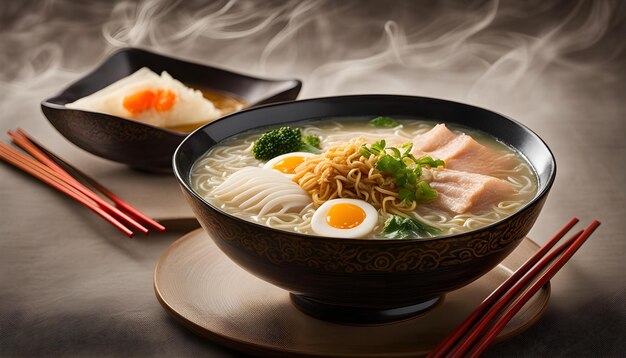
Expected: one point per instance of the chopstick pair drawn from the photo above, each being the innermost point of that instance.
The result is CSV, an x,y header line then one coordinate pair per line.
x,y
483,325
52,170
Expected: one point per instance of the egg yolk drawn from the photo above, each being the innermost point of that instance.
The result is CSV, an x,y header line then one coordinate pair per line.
x,y
345,216
288,165
160,100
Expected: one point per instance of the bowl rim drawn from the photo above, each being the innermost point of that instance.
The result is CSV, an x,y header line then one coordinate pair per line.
x,y
538,196
47,101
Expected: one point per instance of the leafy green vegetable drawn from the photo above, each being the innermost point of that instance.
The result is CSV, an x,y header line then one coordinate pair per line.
x,y
384,122
311,144
312,140
405,168
284,140
400,228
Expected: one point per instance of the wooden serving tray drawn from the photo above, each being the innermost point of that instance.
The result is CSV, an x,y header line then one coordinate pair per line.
x,y
212,296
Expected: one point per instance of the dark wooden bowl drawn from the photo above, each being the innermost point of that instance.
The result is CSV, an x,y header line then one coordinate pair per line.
x,y
138,144
366,281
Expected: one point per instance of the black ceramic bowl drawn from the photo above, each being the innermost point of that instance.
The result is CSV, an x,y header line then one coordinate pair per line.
x,y
365,281
137,144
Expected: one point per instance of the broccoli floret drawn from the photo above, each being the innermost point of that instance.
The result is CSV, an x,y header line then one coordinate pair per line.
x,y
276,142
283,140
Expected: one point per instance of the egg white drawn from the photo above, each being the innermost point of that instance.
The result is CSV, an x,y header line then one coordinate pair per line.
x,y
270,164
321,227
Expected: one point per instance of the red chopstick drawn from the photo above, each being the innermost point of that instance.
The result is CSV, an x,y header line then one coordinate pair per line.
x,y
453,337
460,340
52,160
27,165
570,249
61,174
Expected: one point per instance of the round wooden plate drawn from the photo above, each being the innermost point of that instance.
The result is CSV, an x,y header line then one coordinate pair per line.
x,y
209,294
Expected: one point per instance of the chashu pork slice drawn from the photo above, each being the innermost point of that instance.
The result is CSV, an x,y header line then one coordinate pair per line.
x,y
461,152
435,138
460,192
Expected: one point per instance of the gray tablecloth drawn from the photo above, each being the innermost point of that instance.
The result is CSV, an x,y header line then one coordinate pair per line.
x,y
70,284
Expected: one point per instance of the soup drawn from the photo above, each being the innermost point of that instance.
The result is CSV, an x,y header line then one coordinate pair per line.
x,y
415,179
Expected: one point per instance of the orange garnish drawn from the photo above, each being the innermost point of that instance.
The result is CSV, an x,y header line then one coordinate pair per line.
x,y
160,100
139,102
164,100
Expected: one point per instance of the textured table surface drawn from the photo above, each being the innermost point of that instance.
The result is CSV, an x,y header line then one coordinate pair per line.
x,y
70,284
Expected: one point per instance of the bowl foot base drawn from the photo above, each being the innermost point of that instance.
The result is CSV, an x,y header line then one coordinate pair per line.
x,y
360,316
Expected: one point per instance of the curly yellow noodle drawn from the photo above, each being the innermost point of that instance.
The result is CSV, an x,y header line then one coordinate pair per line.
x,y
341,172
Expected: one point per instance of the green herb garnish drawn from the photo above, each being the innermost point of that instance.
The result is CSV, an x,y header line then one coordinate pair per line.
x,y
375,149
405,168
400,228
384,122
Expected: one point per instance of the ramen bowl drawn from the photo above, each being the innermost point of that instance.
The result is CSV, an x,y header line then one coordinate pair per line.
x,y
365,281
138,144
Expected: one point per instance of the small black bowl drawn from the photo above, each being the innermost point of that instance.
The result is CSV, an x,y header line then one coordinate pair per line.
x,y
137,144
365,281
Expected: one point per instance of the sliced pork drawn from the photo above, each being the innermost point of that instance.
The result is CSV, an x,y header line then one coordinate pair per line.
x,y
461,152
459,192
435,138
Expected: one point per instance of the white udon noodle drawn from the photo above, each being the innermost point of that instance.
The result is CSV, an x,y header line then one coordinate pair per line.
x,y
262,191
235,153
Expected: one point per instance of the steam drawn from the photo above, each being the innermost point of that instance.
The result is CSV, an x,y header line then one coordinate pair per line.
x,y
486,53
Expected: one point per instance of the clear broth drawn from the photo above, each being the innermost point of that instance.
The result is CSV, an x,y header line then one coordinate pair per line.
x,y
233,154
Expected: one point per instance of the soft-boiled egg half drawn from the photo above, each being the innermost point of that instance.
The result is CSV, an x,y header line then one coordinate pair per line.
x,y
344,218
287,163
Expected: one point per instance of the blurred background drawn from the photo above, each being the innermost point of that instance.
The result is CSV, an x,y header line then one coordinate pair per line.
x,y
556,66
502,55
